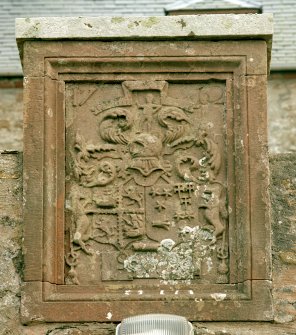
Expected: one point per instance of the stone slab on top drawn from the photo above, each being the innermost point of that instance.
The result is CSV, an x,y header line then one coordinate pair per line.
x,y
201,27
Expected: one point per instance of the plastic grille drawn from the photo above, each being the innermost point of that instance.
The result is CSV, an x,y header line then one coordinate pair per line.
x,y
155,324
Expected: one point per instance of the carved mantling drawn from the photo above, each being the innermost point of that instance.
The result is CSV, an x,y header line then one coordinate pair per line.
x,y
146,198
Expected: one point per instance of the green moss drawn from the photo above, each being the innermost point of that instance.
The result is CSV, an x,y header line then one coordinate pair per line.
x,y
117,19
151,21
228,24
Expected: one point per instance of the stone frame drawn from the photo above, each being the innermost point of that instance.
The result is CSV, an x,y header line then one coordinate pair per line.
x,y
45,298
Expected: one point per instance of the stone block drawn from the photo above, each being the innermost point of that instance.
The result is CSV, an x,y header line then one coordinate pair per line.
x,y
146,169
283,190
11,123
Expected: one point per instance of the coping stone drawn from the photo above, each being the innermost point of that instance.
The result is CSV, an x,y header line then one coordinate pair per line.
x,y
199,27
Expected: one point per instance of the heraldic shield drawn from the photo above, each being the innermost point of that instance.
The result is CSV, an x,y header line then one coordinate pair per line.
x,y
145,192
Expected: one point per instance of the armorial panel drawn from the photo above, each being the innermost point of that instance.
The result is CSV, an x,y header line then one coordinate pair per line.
x,y
145,171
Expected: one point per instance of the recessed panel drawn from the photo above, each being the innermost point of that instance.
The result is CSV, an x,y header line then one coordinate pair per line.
x,y
146,183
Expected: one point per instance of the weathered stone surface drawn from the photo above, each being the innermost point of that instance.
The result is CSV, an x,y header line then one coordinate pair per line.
x,y
11,117
149,158
221,26
282,181
244,329
124,28
250,57
281,113
284,236
11,260
149,188
281,117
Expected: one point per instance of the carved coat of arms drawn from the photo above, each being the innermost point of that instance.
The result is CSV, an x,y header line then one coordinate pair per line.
x,y
145,198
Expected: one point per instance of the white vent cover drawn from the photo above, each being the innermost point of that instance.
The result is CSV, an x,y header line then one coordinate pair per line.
x,y
155,324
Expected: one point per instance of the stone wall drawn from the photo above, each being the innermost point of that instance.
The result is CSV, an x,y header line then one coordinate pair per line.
x,y
11,114
283,191
281,113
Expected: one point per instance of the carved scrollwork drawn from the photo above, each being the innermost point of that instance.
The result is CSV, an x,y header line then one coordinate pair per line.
x,y
214,159
150,188
114,125
91,166
186,165
174,120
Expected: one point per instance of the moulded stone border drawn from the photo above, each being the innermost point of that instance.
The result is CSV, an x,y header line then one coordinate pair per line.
x,y
197,27
234,49
45,297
